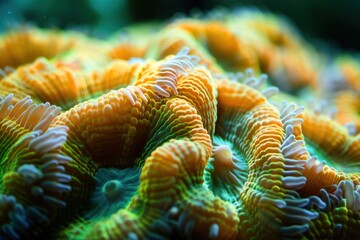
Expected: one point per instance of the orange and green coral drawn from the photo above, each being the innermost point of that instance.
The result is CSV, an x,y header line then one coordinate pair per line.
x,y
181,136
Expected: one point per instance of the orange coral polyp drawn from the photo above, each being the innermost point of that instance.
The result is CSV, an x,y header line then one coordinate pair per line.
x,y
223,156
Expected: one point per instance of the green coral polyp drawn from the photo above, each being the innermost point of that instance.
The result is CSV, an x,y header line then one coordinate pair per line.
x,y
227,170
114,189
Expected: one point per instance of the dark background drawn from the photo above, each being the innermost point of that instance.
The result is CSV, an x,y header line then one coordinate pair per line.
x,y
336,22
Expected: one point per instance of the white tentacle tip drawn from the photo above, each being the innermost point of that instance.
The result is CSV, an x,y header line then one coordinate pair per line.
x,y
214,231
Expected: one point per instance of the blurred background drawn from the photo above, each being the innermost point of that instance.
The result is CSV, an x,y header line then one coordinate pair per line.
x,y
332,21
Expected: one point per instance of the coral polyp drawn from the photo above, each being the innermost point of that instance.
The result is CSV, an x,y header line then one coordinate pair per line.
x,y
196,132
227,170
114,189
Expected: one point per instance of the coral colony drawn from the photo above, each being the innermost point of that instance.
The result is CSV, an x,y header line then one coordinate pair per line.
x,y
227,127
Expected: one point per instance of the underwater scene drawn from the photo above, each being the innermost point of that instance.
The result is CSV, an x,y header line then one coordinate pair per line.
x,y
197,122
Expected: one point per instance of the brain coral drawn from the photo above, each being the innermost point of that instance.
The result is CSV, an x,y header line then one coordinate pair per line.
x,y
157,134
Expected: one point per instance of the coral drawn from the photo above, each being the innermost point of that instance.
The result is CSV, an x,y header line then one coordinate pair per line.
x,y
172,40
290,62
349,68
64,86
34,181
235,55
25,45
261,134
340,218
114,189
334,154
151,114
177,132
348,105
126,51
